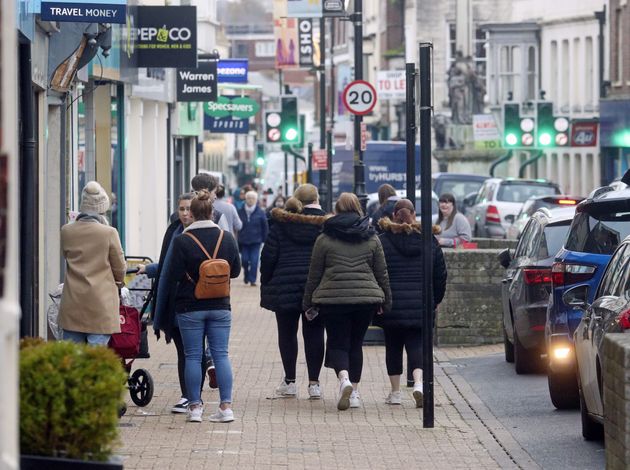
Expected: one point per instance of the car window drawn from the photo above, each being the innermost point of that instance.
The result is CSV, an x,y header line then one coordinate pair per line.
x,y
552,239
460,189
521,192
525,240
598,233
607,284
481,197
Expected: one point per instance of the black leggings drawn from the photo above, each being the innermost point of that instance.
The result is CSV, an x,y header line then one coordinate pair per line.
x,y
181,361
345,329
395,340
313,334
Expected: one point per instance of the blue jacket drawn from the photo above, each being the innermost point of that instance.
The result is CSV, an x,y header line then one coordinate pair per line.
x,y
255,227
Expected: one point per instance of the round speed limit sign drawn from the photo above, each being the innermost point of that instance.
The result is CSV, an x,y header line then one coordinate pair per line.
x,y
359,97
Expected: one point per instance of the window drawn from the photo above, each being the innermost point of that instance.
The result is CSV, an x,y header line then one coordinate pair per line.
x,y
589,71
564,90
552,240
598,233
510,72
522,192
619,46
525,240
612,273
531,73
554,71
265,49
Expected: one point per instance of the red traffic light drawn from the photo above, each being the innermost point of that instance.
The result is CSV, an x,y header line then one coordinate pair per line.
x,y
273,135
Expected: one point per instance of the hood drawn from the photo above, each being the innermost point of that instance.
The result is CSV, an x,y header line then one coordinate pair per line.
x,y
300,228
406,238
349,227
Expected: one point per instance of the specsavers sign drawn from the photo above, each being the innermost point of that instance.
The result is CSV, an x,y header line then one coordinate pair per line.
x,y
239,107
85,11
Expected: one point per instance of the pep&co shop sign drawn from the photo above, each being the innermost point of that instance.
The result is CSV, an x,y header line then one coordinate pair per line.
x,y
85,11
166,36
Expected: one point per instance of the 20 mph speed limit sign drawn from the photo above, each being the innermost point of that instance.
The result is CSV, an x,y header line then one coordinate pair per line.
x,y
359,97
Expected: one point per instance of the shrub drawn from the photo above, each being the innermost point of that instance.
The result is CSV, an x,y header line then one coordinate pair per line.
x,y
69,399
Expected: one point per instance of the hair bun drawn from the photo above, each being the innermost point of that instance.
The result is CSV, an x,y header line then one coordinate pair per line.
x,y
203,195
293,204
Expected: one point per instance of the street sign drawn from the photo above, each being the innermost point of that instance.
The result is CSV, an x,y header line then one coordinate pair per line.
x,y
390,84
85,11
584,133
226,125
198,84
239,107
485,132
232,70
359,97
320,160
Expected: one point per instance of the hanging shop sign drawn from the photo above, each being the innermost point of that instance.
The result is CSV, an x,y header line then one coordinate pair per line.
x,y
165,37
334,8
320,160
305,37
584,133
304,8
286,36
198,84
226,125
390,84
232,70
235,106
85,11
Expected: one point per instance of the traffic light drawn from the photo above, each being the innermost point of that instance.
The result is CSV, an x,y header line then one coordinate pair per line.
x,y
289,126
517,130
260,154
553,131
273,120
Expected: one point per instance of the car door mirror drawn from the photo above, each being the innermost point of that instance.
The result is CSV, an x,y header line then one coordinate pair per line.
x,y
576,297
469,200
505,258
509,218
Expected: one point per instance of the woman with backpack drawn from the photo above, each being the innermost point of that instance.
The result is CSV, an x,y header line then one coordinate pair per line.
x,y
347,284
204,259
402,243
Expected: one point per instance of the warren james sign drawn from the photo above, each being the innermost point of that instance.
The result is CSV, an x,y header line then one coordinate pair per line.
x,y
85,11
198,84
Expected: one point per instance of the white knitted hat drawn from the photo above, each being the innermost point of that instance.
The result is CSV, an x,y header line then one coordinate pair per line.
x,y
94,199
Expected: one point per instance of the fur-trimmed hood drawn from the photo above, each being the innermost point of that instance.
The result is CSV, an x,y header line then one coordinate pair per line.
x,y
387,225
301,228
406,238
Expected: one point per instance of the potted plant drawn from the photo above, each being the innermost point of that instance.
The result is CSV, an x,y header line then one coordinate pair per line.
x,y
70,395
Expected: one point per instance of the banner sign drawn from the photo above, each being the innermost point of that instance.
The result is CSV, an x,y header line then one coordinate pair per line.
x,y
165,37
233,70
304,8
85,11
584,133
235,106
320,160
305,31
226,125
390,84
198,84
485,132
286,36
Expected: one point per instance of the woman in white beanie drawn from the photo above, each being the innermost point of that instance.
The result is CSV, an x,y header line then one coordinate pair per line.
x,y
95,267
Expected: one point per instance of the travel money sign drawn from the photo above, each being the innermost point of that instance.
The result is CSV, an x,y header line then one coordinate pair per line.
x,y
238,106
85,11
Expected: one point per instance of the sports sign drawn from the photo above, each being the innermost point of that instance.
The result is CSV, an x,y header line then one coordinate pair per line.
x,y
226,125
232,70
359,97
198,84
236,106
85,11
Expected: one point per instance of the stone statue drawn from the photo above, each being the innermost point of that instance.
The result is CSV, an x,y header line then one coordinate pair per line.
x,y
440,124
466,90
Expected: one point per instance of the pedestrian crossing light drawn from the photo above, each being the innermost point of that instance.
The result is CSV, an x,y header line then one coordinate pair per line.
x,y
289,127
273,120
260,154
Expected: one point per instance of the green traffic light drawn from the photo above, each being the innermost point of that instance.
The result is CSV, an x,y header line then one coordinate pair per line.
x,y
511,139
260,161
544,139
291,134
622,139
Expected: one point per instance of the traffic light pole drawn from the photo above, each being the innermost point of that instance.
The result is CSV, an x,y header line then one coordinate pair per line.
x,y
323,177
410,134
286,174
359,167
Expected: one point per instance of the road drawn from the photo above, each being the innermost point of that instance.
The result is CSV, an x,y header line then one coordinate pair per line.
x,y
521,403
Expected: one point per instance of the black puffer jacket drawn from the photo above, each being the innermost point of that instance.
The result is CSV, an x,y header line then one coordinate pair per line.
x,y
286,257
386,210
402,244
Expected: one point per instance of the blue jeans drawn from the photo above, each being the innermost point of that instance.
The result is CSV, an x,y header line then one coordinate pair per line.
x,y
82,338
250,255
215,325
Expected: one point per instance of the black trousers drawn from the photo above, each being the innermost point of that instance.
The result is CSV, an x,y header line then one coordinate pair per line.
x,y
313,334
395,340
345,329
181,361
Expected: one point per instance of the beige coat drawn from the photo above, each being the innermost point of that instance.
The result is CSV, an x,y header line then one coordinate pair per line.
x,y
95,263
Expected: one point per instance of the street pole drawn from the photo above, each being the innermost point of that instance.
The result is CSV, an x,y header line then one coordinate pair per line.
x,y
323,178
410,135
427,239
329,157
295,173
359,167
601,18
309,164
286,174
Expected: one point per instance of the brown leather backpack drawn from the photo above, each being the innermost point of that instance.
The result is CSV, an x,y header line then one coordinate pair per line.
x,y
214,274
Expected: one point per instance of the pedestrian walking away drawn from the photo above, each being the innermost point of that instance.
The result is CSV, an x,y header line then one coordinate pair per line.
x,y
228,210
348,283
402,242
164,289
201,310
387,197
284,265
455,228
251,236
95,270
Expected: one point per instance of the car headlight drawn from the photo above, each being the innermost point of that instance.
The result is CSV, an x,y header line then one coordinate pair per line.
x,y
561,352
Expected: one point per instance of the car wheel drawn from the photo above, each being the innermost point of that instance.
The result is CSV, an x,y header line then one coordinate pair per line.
x,y
591,429
525,361
508,347
563,390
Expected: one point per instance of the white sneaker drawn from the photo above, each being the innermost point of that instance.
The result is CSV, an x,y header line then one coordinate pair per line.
x,y
394,398
195,412
314,392
222,416
181,406
345,390
286,390
355,400
418,395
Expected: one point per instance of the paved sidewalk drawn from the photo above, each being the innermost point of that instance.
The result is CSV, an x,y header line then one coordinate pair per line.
x,y
298,433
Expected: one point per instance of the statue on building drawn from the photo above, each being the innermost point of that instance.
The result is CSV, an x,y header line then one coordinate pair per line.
x,y
466,91
441,123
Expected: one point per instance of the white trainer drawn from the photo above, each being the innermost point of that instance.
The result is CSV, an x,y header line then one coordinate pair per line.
x,y
418,394
394,398
286,389
195,413
345,390
314,392
222,416
181,406
355,400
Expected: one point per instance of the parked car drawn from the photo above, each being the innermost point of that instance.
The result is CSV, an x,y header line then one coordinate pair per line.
x,y
499,200
537,202
601,222
609,313
526,288
458,184
372,203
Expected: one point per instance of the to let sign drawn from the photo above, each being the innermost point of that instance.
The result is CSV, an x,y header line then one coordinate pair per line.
x,y
320,160
198,84
485,132
390,84
584,133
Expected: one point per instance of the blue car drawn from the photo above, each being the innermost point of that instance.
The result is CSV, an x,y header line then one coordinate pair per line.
x,y
601,223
